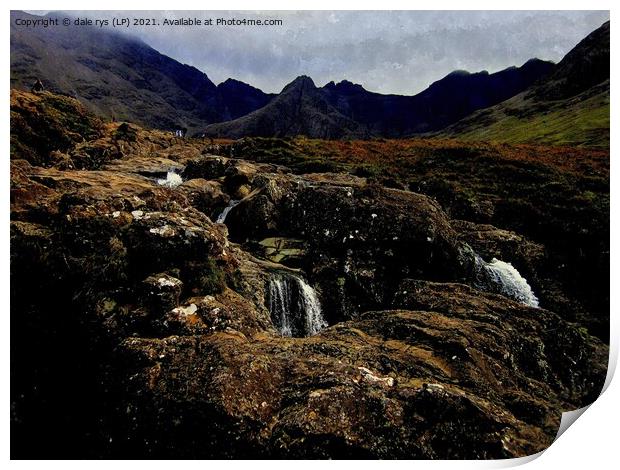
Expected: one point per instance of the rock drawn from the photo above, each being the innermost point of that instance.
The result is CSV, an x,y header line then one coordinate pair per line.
x,y
239,172
206,196
437,383
530,342
206,167
161,292
492,242
287,251
61,161
534,263
361,239
207,314
242,191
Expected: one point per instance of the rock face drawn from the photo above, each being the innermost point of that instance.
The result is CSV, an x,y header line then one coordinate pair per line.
x,y
141,328
436,381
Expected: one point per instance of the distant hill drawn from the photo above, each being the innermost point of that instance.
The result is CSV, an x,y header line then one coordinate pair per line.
x,y
569,107
300,109
121,77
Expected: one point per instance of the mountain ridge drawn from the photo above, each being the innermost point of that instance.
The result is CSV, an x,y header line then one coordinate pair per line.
x,y
442,103
123,78
570,107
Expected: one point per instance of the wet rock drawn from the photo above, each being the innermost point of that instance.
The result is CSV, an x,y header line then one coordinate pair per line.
x,y
288,251
492,242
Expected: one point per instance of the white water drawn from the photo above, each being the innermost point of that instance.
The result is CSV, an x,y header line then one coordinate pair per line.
x,y
502,278
172,180
294,306
222,217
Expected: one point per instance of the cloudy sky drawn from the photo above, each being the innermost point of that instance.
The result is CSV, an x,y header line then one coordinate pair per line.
x,y
388,52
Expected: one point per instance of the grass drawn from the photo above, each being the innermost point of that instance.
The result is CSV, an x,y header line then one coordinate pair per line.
x,y
584,125
580,121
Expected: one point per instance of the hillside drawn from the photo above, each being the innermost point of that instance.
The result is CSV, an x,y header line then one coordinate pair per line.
x,y
122,78
570,107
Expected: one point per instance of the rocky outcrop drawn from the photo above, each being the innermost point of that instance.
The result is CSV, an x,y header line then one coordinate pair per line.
x,y
443,379
141,328
360,239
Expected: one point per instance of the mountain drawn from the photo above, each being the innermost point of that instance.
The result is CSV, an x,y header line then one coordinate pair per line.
x,y
121,77
237,99
569,107
300,109
444,102
372,114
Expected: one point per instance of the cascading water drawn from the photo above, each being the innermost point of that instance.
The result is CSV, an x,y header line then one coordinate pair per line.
x,y
502,278
172,180
294,306
222,217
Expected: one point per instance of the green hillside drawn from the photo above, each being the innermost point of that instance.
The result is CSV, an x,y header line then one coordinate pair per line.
x,y
579,121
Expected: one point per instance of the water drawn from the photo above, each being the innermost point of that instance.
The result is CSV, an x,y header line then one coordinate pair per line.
x,y
172,180
222,217
294,306
502,278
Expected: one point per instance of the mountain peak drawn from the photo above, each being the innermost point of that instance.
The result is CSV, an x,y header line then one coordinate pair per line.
x,y
301,82
345,86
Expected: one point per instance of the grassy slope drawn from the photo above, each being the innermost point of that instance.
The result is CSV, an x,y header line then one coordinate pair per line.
x,y
580,121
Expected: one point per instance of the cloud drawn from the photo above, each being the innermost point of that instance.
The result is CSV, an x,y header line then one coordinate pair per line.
x,y
385,51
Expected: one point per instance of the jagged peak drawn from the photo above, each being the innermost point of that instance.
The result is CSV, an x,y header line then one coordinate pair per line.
x,y
303,81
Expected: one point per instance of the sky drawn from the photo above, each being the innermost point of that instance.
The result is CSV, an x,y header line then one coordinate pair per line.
x,y
399,52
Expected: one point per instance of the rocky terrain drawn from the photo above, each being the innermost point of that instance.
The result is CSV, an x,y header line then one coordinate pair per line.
x,y
141,327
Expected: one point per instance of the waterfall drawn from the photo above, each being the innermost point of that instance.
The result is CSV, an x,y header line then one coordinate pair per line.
x,y
222,217
294,306
172,180
502,278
